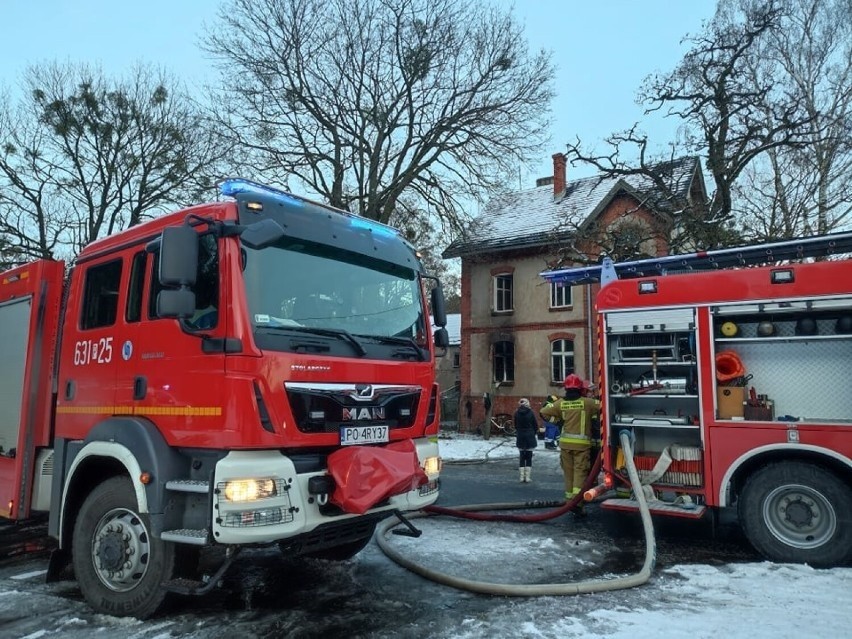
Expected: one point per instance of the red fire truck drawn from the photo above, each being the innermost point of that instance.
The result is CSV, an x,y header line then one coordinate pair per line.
x,y
730,371
254,370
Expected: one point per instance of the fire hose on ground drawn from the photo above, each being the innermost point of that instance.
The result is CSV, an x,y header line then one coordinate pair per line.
x,y
534,590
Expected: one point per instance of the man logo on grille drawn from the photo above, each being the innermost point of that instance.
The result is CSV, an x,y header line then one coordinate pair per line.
x,y
364,413
363,391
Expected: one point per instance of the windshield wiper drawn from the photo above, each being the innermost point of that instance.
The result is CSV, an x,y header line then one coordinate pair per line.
x,y
395,339
330,332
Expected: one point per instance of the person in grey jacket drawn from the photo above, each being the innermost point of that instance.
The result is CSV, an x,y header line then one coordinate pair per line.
x,y
526,426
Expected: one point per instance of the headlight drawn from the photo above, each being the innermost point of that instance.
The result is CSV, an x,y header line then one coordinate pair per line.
x,y
249,489
432,465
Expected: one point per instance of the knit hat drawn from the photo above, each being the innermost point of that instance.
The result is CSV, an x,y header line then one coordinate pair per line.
x,y
524,402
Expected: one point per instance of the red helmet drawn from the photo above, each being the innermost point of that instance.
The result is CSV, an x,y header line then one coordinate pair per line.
x,y
573,381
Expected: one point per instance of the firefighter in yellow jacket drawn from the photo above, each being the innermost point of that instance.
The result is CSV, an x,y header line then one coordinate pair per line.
x,y
576,413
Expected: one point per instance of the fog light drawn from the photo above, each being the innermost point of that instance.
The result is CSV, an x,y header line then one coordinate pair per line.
x,y
253,518
429,487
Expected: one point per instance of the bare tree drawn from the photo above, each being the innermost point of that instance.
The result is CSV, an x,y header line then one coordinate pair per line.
x,y
729,114
802,190
421,230
84,156
364,101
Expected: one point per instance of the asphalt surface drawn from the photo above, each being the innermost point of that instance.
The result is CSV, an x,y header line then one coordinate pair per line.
x,y
268,595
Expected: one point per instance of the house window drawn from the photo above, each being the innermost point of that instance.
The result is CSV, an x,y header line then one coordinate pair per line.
x,y
456,359
503,292
561,359
504,362
560,295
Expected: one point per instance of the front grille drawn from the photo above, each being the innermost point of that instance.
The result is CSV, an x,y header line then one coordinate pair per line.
x,y
326,408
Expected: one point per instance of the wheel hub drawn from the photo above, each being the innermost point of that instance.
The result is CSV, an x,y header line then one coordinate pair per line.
x,y
120,550
800,513
111,551
799,516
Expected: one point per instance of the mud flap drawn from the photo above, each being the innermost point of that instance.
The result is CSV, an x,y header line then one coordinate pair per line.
x,y
366,475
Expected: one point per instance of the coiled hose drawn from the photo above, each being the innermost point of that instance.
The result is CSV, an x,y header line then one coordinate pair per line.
x,y
534,590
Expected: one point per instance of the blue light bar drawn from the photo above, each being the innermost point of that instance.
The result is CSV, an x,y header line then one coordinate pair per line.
x,y
359,222
738,256
231,187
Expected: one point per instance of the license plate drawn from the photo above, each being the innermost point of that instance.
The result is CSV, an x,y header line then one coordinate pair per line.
x,y
350,435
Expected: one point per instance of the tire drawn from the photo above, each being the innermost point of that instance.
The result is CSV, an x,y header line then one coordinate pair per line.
x,y
798,512
505,421
109,528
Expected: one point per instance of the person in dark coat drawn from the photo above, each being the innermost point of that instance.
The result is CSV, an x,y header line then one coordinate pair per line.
x,y
526,426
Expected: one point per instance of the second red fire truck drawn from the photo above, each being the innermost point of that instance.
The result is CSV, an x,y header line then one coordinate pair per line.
x,y
251,371
730,369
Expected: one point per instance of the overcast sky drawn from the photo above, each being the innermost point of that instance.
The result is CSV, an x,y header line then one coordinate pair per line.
x,y
603,50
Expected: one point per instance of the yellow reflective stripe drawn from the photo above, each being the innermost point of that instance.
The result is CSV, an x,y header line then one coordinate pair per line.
x,y
184,411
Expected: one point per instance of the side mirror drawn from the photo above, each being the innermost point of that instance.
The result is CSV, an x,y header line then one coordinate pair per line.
x,y
442,338
178,256
439,309
175,303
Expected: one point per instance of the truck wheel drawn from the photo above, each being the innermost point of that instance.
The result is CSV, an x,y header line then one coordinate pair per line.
x,y
118,564
798,512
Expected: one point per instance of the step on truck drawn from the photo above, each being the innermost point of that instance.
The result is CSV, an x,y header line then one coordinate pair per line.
x,y
730,371
251,371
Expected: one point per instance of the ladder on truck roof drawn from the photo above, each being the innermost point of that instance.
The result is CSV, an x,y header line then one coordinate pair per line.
x,y
815,246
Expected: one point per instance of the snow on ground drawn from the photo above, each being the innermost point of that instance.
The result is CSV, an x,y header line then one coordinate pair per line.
x,y
749,600
460,447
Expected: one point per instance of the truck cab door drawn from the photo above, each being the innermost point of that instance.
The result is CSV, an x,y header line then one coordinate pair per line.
x,y
86,388
165,374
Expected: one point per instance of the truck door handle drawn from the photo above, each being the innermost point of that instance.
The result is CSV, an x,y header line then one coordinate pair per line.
x,y
69,389
140,387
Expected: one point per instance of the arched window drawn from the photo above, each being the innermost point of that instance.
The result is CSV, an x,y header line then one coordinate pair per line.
x,y
561,359
504,362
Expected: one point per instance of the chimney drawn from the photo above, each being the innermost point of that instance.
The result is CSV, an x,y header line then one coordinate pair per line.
x,y
558,175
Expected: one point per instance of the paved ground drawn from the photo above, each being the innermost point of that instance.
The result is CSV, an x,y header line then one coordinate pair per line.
x,y
370,596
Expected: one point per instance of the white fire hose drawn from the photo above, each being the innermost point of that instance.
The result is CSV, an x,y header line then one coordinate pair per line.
x,y
534,590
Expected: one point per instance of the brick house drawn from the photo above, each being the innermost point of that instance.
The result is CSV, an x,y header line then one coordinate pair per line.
x,y
521,336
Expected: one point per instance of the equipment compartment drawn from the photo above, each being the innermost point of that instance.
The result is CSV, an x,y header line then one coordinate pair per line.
x,y
652,378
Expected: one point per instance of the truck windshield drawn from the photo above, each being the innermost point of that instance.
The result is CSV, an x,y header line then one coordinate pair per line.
x,y
300,287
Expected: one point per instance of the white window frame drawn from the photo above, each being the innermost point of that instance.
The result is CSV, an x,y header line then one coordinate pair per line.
x,y
561,295
504,284
559,359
